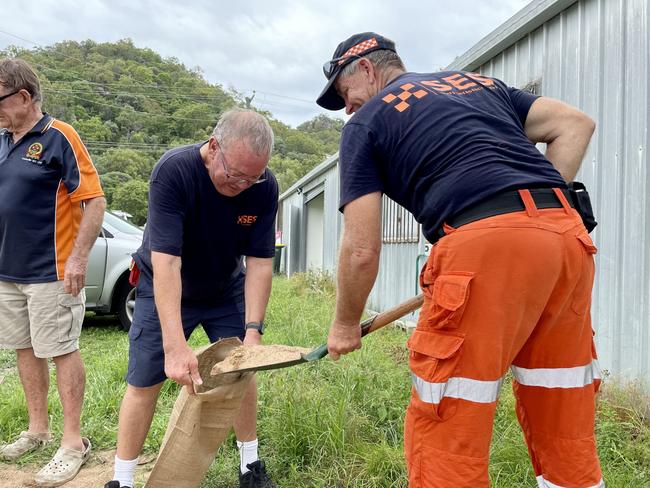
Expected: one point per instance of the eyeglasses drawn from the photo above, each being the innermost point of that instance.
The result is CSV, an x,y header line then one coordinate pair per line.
x,y
8,95
238,180
329,67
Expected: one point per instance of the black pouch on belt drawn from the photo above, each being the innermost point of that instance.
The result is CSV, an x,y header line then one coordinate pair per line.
x,y
582,203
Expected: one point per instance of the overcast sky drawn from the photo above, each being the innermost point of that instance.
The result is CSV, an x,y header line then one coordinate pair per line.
x,y
275,47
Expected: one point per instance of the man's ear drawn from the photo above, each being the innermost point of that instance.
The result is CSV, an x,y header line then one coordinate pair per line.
x,y
368,68
365,65
213,144
25,96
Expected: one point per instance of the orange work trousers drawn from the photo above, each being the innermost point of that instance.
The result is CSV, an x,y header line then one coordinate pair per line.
x,y
510,291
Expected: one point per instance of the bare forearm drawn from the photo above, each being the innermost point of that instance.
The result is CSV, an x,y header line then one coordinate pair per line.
x,y
91,223
257,289
357,271
167,293
567,151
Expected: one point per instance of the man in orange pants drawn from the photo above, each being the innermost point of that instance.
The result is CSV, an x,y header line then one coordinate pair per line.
x,y
509,279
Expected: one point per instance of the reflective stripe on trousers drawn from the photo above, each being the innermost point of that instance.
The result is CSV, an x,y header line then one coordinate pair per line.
x,y
542,483
488,391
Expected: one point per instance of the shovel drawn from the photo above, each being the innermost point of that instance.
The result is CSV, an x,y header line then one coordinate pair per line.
x,y
367,326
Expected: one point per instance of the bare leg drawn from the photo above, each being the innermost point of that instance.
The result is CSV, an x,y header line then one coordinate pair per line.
x,y
71,381
245,424
136,414
35,379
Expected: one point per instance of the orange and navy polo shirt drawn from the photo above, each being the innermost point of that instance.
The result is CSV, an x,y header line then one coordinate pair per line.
x,y
44,180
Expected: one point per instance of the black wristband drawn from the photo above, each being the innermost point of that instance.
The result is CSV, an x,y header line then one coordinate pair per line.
x,y
258,326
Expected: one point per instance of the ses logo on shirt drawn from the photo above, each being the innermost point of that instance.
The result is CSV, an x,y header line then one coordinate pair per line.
x,y
456,84
34,152
246,220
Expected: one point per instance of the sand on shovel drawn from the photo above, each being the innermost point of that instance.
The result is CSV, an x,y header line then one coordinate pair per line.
x,y
244,357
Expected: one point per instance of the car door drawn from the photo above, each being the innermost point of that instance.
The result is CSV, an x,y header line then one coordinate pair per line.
x,y
96,269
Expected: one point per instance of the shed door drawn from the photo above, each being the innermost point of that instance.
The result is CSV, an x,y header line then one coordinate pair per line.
x,y
295,244
315,223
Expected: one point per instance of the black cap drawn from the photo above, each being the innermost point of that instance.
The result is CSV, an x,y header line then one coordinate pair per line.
x,y
352,48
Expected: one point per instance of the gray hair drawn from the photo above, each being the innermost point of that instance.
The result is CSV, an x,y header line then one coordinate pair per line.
x,y
244,125
16,74
382,59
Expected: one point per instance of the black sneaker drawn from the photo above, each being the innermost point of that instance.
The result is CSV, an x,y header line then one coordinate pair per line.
x,y
114,484
256,477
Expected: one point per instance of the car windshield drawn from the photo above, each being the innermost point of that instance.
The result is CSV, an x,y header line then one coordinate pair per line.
x,y
121,225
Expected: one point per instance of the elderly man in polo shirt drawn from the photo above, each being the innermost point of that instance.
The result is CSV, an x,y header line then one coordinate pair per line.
x,y
51,211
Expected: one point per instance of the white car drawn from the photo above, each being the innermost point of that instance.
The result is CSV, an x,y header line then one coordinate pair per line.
x,y
107,282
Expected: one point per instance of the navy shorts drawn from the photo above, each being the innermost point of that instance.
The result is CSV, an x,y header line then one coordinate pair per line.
x,y
146,355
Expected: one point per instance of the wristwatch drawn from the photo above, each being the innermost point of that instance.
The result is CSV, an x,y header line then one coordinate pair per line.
x,y
258,326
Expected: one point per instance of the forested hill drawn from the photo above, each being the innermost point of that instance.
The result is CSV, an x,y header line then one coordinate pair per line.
x,y
130,105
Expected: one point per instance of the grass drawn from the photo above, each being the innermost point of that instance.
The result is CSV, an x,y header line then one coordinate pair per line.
x,y
327,424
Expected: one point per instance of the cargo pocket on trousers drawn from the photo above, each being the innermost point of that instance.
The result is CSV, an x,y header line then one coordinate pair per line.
x,y
448,300
582,292
135,333
433,357
70,315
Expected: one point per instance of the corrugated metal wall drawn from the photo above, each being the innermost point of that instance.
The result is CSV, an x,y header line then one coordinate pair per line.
x,y
397,277
333,220
596,55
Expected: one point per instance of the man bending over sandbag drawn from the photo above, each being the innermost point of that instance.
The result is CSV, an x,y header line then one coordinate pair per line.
x,y
210,204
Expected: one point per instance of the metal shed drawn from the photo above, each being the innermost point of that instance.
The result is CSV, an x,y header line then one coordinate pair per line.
x,y
593,54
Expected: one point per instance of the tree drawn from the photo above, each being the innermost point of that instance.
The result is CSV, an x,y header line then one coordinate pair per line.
x,y
321,123
111,181
132,197
93,129
124,160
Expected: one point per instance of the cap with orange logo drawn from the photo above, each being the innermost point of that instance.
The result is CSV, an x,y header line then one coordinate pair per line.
x,y
352,48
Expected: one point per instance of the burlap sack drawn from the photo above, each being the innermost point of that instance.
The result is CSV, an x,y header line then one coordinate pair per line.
x,y
199,423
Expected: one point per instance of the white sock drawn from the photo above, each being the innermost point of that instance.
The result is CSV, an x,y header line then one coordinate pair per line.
x,y
125,471
247,454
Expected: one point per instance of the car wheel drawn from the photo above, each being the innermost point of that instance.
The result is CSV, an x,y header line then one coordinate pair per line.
x,y
125,304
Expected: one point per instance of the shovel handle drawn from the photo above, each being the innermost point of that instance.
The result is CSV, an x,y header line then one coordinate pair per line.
x,y
392,314
373,323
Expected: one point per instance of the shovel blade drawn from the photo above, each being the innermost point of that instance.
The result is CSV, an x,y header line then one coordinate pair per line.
x,y
261,365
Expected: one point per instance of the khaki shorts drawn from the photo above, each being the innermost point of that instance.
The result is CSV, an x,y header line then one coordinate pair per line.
x,y
41,316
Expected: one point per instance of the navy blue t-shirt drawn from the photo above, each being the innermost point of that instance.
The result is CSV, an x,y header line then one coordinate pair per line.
x,y
439,142
211,232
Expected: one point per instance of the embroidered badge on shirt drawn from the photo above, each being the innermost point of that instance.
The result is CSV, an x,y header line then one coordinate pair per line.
x,y
35,150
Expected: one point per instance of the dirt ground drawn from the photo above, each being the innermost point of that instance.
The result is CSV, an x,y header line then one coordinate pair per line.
x,y
97,471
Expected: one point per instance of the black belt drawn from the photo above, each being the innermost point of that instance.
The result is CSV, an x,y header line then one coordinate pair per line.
x,y
503,203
